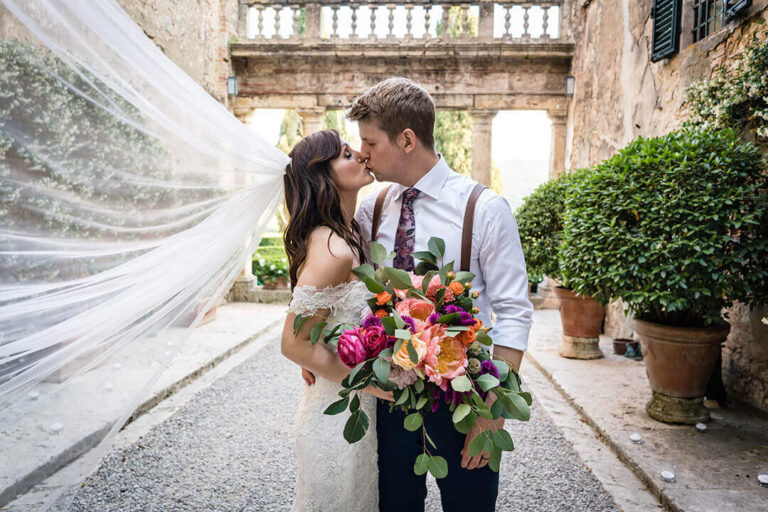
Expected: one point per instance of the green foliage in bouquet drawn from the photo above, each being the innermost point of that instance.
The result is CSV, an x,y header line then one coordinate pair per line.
x,y
447,297
676,226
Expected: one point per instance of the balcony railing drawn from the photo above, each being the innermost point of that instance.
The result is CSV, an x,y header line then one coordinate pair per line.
x,y
387,22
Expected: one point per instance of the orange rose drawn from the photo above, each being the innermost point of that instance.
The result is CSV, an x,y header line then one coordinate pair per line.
x,y
456,287
383,297
478,324
403,360
467,337
381,313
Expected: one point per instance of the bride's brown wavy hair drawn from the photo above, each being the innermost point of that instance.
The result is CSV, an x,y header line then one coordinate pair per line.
x,y
312,198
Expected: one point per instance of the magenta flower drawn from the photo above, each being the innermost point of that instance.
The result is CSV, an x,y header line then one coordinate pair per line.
x,y
375,339
351,347
370,321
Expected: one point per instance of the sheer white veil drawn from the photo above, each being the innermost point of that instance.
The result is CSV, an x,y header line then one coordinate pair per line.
x,y
130,199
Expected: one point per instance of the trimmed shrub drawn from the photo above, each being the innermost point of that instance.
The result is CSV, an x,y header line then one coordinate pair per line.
x,y
676,226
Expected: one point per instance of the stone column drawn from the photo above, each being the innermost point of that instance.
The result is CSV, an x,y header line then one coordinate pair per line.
x,y
481,144
557,153
485,24
313,20
242,109
311,119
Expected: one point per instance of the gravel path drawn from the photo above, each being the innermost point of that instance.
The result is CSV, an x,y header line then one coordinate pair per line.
x,y
230,449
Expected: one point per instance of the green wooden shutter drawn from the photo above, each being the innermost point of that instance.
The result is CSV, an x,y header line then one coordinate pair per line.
x,y
734,7
666,28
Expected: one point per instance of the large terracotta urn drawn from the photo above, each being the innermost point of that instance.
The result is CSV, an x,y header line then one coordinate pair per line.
x,y
679,362
582,319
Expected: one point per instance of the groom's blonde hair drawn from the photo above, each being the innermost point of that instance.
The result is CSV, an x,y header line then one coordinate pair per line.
x,y
396,104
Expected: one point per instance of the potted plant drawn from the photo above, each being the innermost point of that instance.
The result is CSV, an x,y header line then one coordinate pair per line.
x,y
271,272
677,227
540,223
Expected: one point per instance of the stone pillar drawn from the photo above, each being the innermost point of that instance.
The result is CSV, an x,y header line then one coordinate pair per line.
x,y
311,119
485,23
242,21
481,144
559,134
313,20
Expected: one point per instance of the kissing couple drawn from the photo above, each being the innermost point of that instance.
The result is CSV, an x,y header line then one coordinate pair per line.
x,y
327,236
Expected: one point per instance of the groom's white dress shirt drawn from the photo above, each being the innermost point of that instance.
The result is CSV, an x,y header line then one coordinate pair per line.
x,y
497,256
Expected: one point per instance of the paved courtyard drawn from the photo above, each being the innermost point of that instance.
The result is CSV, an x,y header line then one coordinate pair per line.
x,y
230,449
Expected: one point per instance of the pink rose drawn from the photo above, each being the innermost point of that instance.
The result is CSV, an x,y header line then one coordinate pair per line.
x,y
351,347
375,339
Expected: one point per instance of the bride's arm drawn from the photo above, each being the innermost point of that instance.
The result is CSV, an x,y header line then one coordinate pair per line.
x,y
327,264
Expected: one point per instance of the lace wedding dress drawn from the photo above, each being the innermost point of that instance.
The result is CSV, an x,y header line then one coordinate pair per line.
x,y
333,475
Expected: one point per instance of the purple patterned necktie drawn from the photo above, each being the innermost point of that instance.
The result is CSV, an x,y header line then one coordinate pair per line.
x,y
405,237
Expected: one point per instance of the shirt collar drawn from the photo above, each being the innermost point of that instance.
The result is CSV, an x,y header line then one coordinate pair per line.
x,y
431,183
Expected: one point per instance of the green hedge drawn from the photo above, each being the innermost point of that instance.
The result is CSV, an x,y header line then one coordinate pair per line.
x,y
676,226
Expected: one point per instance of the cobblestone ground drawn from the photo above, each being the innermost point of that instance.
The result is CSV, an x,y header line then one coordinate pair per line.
x,y
230,449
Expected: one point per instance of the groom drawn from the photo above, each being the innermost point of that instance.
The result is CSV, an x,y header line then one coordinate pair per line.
x,y
396,119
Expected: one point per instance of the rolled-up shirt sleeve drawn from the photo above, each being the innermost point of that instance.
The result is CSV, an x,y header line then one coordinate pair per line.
x,y
506,280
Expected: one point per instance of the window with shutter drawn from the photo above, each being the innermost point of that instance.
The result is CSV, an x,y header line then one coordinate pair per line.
x,y
666,28
734,7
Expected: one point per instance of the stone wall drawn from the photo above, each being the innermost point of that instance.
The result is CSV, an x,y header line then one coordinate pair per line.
x,y
620,94
194,33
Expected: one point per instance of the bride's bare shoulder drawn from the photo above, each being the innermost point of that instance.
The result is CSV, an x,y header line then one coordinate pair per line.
x,y
329,259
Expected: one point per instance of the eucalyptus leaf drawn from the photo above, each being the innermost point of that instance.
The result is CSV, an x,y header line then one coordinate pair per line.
x,y
363,271
438,467
437,247
316,332
494,461
412,354
422,464
427,279
487,382
461,384
373,285
404,397
484,339
337,407
381,369
476,445
399,278
464,277
461,412
503,440
378,253
503,369
356,426
425,256
412,421
354,405
403,334
298,323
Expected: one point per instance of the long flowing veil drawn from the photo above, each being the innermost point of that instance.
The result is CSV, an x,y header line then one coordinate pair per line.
x,y
130,199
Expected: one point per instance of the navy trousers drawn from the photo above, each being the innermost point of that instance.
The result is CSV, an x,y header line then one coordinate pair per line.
x,y
400,490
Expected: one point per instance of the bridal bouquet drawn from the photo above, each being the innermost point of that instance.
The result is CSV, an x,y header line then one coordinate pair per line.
x,y
422,341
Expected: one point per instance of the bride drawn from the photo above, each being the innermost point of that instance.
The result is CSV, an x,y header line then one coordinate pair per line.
x,y
324,244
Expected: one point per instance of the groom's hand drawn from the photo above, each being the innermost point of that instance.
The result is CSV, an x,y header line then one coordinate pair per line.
x,y
482,425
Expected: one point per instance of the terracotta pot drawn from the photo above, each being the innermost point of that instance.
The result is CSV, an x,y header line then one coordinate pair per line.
x,y
620,345
280,284
582,317
679,362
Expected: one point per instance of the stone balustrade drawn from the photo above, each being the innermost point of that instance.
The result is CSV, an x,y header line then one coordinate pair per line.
x,y
342,21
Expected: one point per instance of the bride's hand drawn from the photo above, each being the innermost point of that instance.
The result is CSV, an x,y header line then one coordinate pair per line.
x,y
308,376
380,393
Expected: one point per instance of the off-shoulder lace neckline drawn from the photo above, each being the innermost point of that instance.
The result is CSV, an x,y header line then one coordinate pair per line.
x,y
329,288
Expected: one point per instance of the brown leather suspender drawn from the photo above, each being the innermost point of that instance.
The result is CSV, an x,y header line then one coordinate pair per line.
x,y
469,220
377,212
